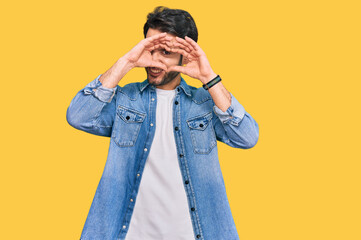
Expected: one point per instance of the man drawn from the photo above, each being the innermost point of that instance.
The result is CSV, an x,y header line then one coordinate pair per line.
x,y
162,178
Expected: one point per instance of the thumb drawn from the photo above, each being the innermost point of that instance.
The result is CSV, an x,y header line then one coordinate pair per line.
x,y
176,69
158,65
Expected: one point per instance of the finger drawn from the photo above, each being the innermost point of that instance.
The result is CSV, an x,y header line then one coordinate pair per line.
x,y
181,51
193,43
153,39
148,44
188,47
160,45
185,43
169,43
157,36
156,42
179,45
174,50
177,69
169,38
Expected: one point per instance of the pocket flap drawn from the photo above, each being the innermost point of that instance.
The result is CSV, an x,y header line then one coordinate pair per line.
x,y
200,122
130,115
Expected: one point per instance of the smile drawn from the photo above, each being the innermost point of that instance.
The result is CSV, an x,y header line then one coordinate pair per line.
x,y
155,70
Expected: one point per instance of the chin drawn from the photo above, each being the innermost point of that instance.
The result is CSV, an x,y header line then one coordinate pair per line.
x,y
158,79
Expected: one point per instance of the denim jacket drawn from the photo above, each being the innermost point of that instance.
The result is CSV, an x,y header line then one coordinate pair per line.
x,y
127,115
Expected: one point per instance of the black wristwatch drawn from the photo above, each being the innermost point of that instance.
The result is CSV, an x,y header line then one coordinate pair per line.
x,y
211,83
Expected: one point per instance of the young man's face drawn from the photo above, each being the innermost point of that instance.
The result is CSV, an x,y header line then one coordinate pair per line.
x,y
167,58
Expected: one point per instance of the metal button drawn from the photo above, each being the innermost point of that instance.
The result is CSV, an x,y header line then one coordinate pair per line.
x,y
127,117
131,199
124,226
145,149
153,99
193,209
138,175
201,125
198,236
151,124
176,128
186,181
181,155
176,102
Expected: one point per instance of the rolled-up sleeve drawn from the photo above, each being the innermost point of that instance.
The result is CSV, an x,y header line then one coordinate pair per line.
x,y
104,94
234,114
93,109
235,126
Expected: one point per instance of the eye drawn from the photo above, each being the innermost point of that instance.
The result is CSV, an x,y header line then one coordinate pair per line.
x,y
165,52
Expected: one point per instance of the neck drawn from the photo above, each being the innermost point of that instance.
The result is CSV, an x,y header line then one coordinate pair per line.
x,y
171,85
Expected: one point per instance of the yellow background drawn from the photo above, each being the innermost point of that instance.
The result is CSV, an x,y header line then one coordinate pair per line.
x,y
293,65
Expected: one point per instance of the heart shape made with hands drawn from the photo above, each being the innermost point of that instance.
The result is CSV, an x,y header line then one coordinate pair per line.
x,y
195,62
172,44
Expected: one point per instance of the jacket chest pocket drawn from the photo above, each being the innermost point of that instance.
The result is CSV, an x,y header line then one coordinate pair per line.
x,y
202,133
127,126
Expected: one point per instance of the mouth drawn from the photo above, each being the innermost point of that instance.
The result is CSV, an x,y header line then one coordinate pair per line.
x,y
155,72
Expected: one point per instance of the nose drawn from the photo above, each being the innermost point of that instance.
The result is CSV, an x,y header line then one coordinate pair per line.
x,y
157,56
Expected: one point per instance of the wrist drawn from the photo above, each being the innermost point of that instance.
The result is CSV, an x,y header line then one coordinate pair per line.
x,y
111,77
208,77
125,64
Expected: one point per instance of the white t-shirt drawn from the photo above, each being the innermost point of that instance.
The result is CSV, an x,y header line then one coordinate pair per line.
x,y
161,210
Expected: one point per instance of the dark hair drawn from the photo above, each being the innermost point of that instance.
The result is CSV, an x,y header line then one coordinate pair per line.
x,y
174,21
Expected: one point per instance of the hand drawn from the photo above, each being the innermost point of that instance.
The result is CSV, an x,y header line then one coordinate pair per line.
x,y
197,65
140,55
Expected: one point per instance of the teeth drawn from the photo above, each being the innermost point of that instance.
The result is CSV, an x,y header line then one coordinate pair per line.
x,y
155,70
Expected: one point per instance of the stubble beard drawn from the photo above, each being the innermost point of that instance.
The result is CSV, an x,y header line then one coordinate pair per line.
x,y
168,77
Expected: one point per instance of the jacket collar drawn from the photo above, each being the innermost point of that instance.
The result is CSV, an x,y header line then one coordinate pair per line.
x,y
183,85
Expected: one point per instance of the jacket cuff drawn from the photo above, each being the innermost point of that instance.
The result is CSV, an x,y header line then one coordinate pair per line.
x,y
96,88
234,114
